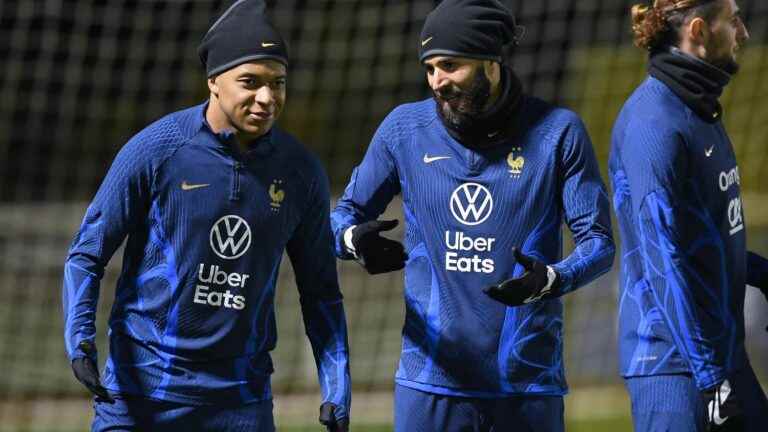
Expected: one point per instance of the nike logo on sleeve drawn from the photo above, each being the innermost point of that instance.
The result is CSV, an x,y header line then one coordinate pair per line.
x,y
428,159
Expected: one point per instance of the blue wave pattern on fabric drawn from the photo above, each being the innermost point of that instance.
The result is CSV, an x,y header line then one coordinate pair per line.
x,y
677,198
464,211
193,319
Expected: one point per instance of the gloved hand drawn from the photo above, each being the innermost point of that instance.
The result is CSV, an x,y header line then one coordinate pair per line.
x,y
375,253
539,280
329,420
87,373
723,411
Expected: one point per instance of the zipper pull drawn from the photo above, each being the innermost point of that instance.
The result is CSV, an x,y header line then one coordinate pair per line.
x,y
235,191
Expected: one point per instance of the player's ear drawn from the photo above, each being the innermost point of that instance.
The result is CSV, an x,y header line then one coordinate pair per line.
x,y
213,86
697,31
492,71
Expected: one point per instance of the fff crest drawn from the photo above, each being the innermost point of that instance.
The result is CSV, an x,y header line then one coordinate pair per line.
x,y
516,163
276,194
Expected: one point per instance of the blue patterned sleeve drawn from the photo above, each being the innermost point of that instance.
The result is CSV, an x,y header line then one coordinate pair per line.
x,y
372,186
656,165
587,212
120,203
311,252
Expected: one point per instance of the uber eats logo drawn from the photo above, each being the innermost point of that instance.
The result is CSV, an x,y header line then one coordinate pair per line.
x,y
471,204
230,238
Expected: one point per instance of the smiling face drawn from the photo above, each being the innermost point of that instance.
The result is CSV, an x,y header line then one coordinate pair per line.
x,y
248,98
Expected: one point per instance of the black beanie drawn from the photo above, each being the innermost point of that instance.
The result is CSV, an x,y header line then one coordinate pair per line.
x,y
241,34
480,29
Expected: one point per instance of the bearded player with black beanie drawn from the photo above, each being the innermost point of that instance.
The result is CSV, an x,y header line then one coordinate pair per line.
x,y
677,197
488,175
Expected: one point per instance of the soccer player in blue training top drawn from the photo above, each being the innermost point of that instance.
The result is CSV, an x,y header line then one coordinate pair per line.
x,y
677,199
487,176
209,198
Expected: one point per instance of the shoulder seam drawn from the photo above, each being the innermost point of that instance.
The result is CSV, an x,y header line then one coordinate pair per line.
x,y
170,154
416,123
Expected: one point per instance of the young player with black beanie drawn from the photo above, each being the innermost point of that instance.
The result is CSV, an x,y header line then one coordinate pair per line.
x,y
193,323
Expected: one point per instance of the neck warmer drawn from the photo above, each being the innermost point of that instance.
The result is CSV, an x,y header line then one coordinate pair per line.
x,y
496,123
698,83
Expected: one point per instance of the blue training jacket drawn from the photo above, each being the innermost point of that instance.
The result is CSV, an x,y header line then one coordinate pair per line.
x,y
193,320
465,210
684,260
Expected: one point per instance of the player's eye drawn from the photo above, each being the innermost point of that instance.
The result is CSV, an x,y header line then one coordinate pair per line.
x,y
249,82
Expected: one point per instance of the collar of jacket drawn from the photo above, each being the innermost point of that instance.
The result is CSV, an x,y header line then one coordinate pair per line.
x,y
698,83
260,147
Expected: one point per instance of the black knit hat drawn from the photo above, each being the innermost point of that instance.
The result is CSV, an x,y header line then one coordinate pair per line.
x,y
480,29
241,34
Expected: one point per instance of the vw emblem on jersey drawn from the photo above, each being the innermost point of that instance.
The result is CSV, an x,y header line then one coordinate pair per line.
x,y
230,237
471,203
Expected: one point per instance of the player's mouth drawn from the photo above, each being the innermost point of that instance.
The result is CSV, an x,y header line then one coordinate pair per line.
x,y
450,101
259,116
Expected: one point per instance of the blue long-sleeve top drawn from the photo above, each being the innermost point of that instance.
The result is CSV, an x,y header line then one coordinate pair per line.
x,y
465,209
206,226
684,260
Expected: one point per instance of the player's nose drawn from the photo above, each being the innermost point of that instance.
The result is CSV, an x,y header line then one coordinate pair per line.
x,y
264,96
439,80
744,33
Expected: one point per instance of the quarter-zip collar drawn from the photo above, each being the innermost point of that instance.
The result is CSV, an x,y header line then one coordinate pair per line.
x,y
262,146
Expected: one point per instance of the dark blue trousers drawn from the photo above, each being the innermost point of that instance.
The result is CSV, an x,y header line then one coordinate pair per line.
x,y
673,403
139,414
417,411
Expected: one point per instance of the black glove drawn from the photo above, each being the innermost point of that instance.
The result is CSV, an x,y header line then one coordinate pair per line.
x,y
87,373
329,420
375,253
723,411
539,280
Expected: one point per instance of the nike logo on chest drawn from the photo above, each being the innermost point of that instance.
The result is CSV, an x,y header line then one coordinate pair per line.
x,y
189,186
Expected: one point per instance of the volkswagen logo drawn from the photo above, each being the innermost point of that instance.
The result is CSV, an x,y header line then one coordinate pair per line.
x,y
230,237
471,203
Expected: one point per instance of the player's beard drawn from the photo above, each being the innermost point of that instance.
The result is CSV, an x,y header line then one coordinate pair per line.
x,y
726,63
460,108
725,60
